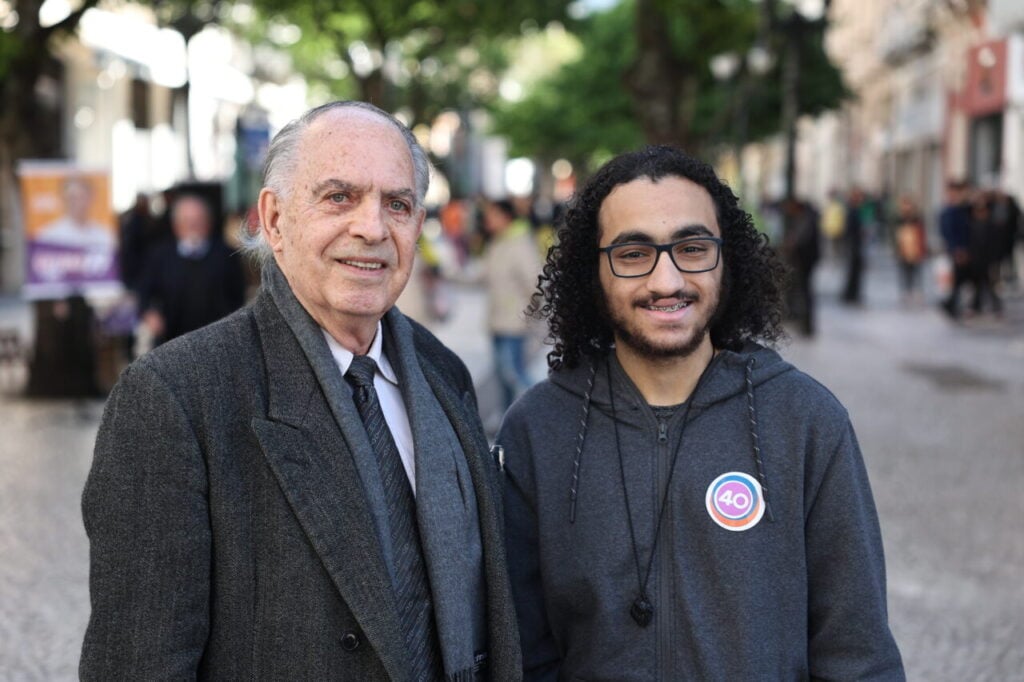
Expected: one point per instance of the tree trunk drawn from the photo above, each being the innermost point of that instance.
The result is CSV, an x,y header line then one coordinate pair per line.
x,y
663,94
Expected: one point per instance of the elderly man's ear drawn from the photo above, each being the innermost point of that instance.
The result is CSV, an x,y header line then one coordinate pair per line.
x,y
270,214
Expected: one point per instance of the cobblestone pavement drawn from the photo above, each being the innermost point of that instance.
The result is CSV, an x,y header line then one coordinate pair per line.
x,y
938,408
45,453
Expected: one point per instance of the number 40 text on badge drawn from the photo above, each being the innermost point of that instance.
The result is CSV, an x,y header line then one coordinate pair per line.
x,y
734,501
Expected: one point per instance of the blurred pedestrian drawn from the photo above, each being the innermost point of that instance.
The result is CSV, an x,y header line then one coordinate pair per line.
x,y
137,230
854,241
801,249
453,224
833,221
680,502
985,245
191,281
425,298
911,248
1006,219
955,228
303,491
511,266
63,362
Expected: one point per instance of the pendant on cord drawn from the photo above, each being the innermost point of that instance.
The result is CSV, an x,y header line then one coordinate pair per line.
x,y
642,611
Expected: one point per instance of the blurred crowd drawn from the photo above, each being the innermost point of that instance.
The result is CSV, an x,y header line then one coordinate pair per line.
x,y
181,267
969,248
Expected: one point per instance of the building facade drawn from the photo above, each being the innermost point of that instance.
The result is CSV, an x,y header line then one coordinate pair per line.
x,y
938,94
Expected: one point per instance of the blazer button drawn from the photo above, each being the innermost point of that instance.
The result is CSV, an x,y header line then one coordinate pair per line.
x,y
350,641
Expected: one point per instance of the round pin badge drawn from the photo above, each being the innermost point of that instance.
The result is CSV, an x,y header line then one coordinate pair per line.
x,y
735,501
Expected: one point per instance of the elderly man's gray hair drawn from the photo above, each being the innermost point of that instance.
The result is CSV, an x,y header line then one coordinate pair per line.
x,y
282,158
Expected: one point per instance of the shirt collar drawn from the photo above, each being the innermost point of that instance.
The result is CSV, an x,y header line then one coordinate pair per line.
x,y
343,356
193,249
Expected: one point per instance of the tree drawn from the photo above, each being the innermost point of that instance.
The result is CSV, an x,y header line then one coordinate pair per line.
x,y
578,113
420,56
670,73
30,125
644,76
29,99
187,17
30,78
797,39
26,59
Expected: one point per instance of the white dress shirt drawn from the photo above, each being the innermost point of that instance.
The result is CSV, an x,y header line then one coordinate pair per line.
x,y
385,382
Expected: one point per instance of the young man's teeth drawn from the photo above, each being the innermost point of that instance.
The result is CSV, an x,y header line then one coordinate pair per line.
x,y
668,308
364,266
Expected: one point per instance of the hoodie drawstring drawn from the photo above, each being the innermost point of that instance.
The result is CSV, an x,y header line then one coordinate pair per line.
x,y
756,439
754,436
579,443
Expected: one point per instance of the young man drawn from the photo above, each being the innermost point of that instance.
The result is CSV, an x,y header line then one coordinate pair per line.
x,y
303,490
682,504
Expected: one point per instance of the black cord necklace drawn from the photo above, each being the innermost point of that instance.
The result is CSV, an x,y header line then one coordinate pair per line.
x,y
642,611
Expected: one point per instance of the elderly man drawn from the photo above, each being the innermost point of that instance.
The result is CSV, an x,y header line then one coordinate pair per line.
x,y
303,490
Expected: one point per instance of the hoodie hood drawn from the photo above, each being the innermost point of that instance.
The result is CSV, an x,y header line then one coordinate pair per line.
x,y
729,374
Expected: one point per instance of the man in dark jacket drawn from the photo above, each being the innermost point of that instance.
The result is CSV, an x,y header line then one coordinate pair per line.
x,y
955,228
681,503
192,280
801,248
303,490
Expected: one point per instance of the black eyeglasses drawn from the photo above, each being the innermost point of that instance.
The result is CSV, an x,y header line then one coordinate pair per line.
x,y
638,259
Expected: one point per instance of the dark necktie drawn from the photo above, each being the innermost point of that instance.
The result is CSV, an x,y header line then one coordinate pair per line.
x,y
410,576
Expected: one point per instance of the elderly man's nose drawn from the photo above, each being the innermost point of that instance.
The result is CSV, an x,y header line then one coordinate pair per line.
x,y
369,222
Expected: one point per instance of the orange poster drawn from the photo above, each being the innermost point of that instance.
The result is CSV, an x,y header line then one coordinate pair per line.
x,y
70,230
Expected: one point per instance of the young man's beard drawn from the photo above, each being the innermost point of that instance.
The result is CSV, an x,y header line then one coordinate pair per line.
x,y
645,347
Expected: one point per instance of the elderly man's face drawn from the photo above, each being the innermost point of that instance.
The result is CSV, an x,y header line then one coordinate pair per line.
x,y
344,233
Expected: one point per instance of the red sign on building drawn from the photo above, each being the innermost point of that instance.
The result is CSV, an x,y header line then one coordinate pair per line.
x,y
985,90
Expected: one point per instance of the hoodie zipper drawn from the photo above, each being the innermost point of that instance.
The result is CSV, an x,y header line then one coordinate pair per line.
x,y
663,610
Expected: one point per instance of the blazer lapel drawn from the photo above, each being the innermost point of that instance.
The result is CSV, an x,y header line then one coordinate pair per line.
x,y
317,472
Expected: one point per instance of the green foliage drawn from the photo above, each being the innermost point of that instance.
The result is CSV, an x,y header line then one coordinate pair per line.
x,y
586,112
10,47
821,88
583,112
422,56
701,29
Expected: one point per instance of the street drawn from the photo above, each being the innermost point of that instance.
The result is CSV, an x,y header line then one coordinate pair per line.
x,y
938,408
939,411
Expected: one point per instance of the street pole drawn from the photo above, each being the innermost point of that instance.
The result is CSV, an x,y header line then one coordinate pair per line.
x,y
791,97
795,28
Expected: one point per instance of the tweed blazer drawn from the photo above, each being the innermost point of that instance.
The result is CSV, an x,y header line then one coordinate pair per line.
x,y
230,535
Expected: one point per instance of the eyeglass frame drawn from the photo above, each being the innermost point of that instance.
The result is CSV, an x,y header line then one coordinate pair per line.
x,y
663,248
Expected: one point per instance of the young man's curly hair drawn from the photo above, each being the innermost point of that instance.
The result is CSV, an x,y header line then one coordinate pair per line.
x,y
569,293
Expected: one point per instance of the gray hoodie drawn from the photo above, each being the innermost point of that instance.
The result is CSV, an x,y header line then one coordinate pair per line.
x,y
772,572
